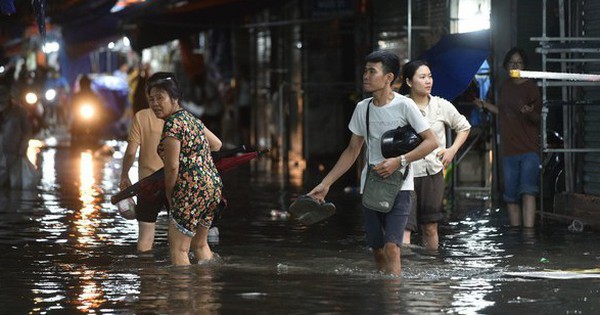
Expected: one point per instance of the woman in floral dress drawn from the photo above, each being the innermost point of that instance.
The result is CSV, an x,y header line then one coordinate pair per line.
x,y
192,182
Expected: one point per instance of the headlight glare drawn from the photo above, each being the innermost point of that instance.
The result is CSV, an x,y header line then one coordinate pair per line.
x,y
87,111
31,98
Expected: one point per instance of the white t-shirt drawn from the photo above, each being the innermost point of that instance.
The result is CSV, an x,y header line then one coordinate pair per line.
x,y
399,112
440,113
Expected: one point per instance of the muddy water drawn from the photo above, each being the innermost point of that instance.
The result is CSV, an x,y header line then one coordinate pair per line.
x,y
64,249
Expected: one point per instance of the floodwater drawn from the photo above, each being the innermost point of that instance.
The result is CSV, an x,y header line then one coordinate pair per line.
x,y
65,249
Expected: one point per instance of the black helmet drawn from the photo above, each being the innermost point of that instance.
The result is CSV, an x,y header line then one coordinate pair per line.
x,y
399,141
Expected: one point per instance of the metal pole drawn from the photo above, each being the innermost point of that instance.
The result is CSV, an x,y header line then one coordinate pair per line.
x,y
567,110
555,76
409,29
282,132
544,113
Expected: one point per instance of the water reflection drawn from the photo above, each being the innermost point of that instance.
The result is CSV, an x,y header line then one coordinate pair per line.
x,y
69,252
86,176
471,296
92,295
48,169
179,290
85,219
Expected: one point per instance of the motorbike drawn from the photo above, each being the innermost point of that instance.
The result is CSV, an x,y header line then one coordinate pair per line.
x,y
50,102
35,110
88,120
97,110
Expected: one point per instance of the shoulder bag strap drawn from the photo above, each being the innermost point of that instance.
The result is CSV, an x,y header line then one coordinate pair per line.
x,y
367,122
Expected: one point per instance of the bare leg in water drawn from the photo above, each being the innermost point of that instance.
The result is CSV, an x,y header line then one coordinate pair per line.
x,y
200,245
430,235
387,259
179,246
514,214
146,236
528,211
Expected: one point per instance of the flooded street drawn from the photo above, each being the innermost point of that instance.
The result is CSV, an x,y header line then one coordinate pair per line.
x,y
65,249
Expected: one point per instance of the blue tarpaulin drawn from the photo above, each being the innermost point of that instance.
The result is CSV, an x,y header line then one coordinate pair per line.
x,y
455,60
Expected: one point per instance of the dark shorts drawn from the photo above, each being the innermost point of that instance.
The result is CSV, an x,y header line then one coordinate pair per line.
x,y
429,195
521,176
382,228
146,210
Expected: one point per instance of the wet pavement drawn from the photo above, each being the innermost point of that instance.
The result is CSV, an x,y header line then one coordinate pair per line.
x,y
65,249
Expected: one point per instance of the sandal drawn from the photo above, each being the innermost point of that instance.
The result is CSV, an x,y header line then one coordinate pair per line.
x,y
310,211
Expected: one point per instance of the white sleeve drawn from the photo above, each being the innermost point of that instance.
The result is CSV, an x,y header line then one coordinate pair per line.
x,y
454,119
358,125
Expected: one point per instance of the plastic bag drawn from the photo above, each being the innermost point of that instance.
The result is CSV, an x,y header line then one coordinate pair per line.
x,y
127,208
24,175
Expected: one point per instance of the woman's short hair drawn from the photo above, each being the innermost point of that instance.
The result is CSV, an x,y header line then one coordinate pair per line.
x,y
165,81
511,52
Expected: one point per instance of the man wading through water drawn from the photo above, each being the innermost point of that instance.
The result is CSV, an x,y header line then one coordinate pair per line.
x,y
387,110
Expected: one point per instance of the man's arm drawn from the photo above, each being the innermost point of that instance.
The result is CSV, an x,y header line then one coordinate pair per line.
x,y
346,160
128,160
414,118
430,142
389,166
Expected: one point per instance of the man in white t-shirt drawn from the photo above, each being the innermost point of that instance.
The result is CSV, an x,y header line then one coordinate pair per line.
x,y
387,110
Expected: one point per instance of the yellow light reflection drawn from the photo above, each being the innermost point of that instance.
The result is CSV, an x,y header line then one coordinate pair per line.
x,y
86,176
84,224
48,169
91,297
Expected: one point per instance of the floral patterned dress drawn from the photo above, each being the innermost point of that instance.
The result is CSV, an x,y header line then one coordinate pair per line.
x,y
197,189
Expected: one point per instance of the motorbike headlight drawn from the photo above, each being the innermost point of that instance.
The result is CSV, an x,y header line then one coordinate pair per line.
x,y
31,98
50,95
87,111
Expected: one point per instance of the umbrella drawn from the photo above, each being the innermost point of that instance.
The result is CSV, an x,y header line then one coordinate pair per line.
x,y
454,61
153,186
8,7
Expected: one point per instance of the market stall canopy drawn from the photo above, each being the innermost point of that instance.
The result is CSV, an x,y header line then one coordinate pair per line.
x,y
87,25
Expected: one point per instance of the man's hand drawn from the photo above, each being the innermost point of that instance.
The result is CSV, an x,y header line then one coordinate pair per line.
x,y
387,167
125,182
319,192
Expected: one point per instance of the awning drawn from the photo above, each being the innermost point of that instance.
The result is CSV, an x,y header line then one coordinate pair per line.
x,y
87,25
154,26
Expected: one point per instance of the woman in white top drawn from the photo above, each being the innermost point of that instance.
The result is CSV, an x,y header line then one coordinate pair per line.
x,y
428,176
